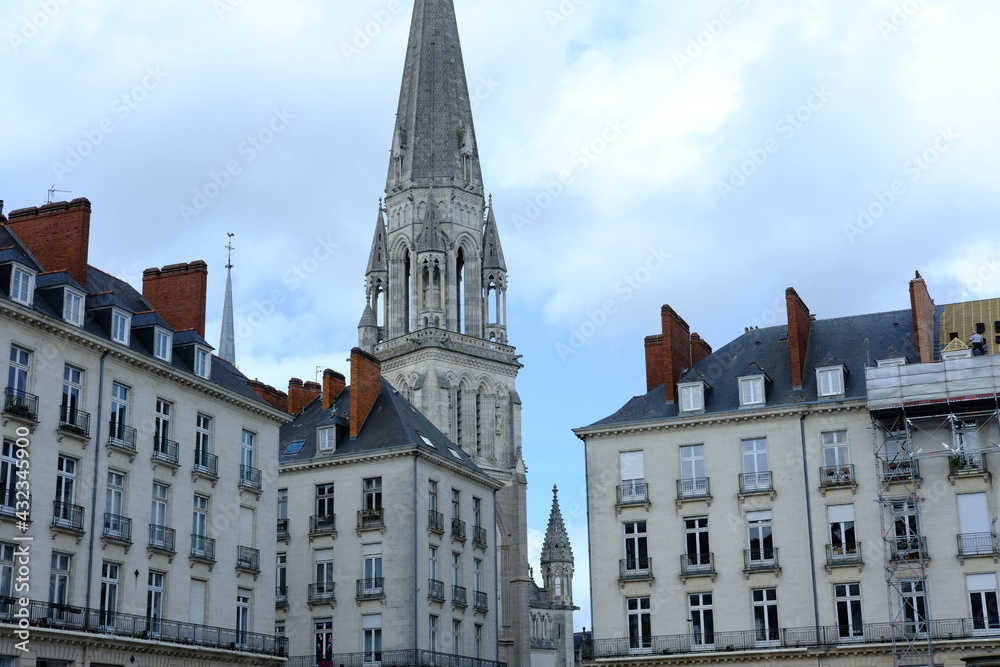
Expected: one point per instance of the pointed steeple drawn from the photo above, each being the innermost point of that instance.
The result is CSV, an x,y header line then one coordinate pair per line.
x,y
378,258
431,239
556,547
227,337
434,142
492,252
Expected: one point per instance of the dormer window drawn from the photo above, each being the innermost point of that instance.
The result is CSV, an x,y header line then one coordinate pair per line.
x,y
752,390
327,439
830,380
202,362
162,344
120,326
692,396
21,284
893,361
73,307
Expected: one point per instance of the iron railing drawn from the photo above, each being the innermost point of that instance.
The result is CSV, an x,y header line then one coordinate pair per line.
x,y
844,554
458,529
977,544
165,450
324,591
67,516
435,521
395,658
756,482
697,564
117,527
435,589
909,548
371,588
633,492
371,518
203,548
280,596
635,568
206,464
458,596
760,559
967,464
479,536
121,436
842,475
74,421
20,404
250,478
693,487
248,558
480,601
322,524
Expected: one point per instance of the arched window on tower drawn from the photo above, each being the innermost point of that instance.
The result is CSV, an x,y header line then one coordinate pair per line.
x,y
460,324
407,290
425,286
379,304
492,299
479,423
459,440
436,286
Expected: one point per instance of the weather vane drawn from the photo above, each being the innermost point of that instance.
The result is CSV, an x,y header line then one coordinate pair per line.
x,y
229,247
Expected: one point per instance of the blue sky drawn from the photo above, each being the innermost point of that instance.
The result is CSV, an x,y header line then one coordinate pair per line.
x,y
707,155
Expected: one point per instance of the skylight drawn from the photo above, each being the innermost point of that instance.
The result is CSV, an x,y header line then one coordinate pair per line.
x,y
426,440
293,447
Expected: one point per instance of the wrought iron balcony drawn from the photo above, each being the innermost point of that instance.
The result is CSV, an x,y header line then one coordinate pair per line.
x,y
843,554
323,524
67,517
203,548
977,544
435,521
480,601
908,548
117,528
458,529
166,451
21,404
967,464
250,478
281,596
370,589
407,657
900,470
121,436
282,529
694,487
756,482
698,564
842,475
371,518
73,421
435,589
458,596
248,558
323,592
206,464
479,536
635,569
162,538
756,560
633,492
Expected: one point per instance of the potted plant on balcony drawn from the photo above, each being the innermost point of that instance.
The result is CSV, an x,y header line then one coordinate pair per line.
x,y
371,513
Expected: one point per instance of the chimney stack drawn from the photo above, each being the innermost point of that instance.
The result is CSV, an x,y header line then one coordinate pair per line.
x,y
333,385
922,312
799,322
276,399
668,353
57,234
178,292
301,394
699,349
366,384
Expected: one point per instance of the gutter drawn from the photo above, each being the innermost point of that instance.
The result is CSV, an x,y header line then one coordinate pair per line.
x,y
809,523
93,495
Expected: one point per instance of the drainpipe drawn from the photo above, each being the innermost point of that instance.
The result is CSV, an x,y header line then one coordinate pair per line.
x,y
97,461
809,524
416,560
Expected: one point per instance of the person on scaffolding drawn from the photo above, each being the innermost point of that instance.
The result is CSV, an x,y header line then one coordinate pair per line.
x,y
978,344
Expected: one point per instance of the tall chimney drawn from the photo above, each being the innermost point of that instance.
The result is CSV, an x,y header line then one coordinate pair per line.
x,y
178,292
333,384
366,384
922,311
276,399
301,394
799,324
668,354
57,234
699,349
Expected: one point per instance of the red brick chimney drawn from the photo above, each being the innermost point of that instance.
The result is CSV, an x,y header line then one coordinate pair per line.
x,y
366,384
922,311
57,234
276,399
799,324
301,394
178,292
668,354
699,349
333,384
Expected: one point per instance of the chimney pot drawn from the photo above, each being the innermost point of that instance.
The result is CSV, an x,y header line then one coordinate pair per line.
x,y
57,234
366,384
333,385
178,292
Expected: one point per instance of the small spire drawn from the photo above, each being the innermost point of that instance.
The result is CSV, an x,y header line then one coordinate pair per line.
x,y
227,338
556,547
492,251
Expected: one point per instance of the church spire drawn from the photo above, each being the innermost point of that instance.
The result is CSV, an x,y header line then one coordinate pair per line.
x,y
434,142
227,337
557,556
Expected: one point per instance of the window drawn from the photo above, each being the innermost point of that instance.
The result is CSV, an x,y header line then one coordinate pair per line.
x,y
632,469
843,542
324,503
323,631
8,478
242,615
116,525
692,396
760,538
752,390
456,569
974,524
158,516
372,493
456,636
154,601
966,443
120,322
199,524
161,428
697,553
110,575
432,495
246,454
756,474
371,627
72,389
59,578
640,636
432,556
324,572
477,575
694,483
913,606
636,554
765,615
372,554
202,362
893,361
6,570
327,439
20,285
281,575
65,490
432,633
162,344
477,512
202,441
477,639
907,537
982,590
455,503
835,449
17,375
73,308
701,613
119,413
849,622
282,504
830,380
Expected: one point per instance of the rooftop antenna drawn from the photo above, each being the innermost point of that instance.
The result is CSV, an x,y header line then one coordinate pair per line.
x,y
51,192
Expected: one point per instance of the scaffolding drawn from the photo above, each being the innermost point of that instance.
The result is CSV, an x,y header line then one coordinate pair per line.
x,y
947,410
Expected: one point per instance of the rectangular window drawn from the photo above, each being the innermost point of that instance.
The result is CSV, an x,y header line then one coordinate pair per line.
x,y
640,635
835,449
119,413
20,285
65,489
432,633
632,470
456,569
702,616
154,601
281,575
116,526
247,441
372,567
8,478
6,570
849,621
17,374
161,345
158,516
282,504
120,322
694,483
323,632
974,525
199,517
913,605
432,495
73,308
456,636
162,444
371,628
636,554
202,362
372,493
982,589
71,396
59,578
243,596
323,569
756,473
692,397
760,537
327,439
456,504
202,441
697,552
830,381
110,576
752,390
324,503
477,575
907,536
765,615
843,542
477,637
477,512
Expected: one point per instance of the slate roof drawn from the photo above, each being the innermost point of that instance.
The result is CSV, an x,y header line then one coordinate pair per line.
x,y
855,341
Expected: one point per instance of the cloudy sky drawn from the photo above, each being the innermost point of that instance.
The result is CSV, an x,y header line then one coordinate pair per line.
x,y
640,152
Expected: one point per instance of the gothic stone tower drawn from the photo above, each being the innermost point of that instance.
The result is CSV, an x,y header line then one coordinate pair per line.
x,y
435,311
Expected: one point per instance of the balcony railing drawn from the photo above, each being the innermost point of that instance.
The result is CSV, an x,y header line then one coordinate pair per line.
x,y
371,518
699,564
67,516
458,596
967,464
162,538
694,487
322,524
435,521
206,464
908,548
323,592
407,657
73,421
756,482
843,554
369,589
760,559
435,589
977,544
842,475
635,569
117,528
633,492
458,529
897,471
20,404
280,596
166,450
480,601
95,623
282,529
248,558
789,638
121,436
479,536
203,548
250,478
